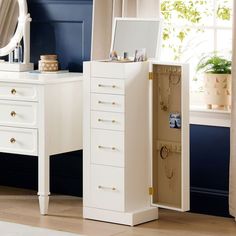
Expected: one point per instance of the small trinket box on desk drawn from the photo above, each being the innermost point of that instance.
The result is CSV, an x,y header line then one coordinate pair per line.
x,y
48,63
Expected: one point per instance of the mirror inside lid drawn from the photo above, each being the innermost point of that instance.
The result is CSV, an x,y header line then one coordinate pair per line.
x,y
131,34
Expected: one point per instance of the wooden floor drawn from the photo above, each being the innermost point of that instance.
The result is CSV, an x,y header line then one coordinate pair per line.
x,y
65,214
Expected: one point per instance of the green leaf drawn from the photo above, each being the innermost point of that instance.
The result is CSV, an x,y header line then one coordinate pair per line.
x,y
224,13
215,65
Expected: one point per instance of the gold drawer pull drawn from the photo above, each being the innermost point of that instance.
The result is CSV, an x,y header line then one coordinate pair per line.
x,y
13,91
101,102
101,120
108,86
108,188
102,147
12,140
13,113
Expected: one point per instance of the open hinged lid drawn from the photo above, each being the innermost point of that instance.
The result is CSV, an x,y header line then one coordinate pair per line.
x,y
169,135
130,34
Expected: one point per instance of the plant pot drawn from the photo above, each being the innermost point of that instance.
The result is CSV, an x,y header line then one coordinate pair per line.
x,y
217,91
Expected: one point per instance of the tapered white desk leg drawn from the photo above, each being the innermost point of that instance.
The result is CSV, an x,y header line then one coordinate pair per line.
x,y
43,183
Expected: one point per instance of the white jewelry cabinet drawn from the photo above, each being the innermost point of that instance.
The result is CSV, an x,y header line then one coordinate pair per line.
x,y
125,179
40,115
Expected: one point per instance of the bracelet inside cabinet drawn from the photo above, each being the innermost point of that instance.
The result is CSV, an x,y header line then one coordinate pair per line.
x,y
167,135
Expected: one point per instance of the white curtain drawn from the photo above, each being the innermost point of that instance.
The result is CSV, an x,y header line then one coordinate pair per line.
x,y
232,183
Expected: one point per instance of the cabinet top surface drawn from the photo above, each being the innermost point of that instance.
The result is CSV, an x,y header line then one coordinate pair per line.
x,y
131,63
36,78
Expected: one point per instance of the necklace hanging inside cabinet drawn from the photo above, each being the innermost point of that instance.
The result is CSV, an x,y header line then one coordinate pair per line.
x,y
164,94
164,153
173,76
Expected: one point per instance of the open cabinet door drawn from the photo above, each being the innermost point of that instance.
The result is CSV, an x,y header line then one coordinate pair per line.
x,y
169,134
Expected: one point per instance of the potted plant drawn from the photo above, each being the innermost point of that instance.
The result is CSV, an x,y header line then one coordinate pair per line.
x,y
217,81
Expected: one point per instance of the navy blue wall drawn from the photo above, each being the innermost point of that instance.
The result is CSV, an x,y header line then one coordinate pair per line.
x,y
209,169
61,27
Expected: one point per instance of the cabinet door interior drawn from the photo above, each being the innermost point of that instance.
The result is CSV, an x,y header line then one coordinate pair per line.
x,y
170,135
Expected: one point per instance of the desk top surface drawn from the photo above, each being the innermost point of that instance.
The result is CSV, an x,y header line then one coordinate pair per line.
x,y
38,78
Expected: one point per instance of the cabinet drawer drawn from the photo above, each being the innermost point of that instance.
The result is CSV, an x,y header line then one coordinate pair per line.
x,y
19,114
107,147
104,102
107,120
18,92
20,141
109,86
107,187
108,69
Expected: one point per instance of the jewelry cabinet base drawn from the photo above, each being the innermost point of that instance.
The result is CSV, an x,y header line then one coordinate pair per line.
x,y
16,67
126,218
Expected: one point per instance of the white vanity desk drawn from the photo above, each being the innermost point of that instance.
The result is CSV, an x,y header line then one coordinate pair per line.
x,y
40,115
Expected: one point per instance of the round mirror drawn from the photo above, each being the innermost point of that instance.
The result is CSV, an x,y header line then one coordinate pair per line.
x,y
12,20
9,14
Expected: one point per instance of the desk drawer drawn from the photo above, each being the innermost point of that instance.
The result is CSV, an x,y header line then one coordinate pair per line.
x,y
19,141
109,86
18,114
107,120
107,147
104,102
107,187
18,92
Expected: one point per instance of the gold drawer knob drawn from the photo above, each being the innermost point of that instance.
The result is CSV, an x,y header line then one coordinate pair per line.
x,y
13,91
12,140
13,113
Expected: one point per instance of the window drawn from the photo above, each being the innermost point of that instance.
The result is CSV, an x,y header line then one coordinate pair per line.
x,y
194,28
